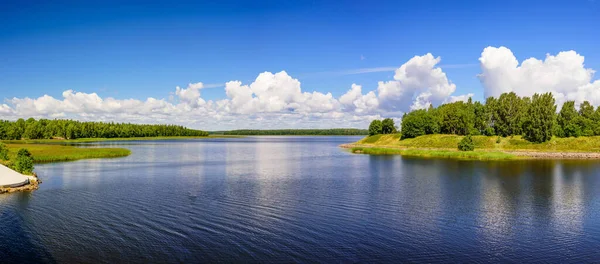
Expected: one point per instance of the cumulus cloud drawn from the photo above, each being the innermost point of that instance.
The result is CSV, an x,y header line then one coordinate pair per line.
x,y
272,100
190,95
563,74
416,84
355,101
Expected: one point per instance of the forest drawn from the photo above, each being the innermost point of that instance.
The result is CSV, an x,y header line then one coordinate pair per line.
x,y
71,129
298,132
535,118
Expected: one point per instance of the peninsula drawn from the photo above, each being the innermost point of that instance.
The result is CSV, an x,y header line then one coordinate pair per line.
x,y
508,127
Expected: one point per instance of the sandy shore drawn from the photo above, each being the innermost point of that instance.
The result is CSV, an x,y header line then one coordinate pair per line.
x,y
11,180
521,153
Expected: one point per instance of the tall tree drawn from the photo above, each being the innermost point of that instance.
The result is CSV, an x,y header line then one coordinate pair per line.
x,y
539,122
387,126
567,120
375,127
508,114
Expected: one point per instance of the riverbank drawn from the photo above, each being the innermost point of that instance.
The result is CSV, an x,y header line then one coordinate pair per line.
x,y
486,147
12,181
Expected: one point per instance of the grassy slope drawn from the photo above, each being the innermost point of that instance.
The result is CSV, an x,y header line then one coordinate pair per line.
x,y
485,147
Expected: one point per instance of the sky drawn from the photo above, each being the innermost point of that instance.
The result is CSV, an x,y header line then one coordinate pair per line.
x,y
218,65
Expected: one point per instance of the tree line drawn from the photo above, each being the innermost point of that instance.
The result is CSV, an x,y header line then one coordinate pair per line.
x,y
297,132
535,118
71,129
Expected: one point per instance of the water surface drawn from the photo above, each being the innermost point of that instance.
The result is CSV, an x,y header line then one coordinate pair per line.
x,y
301,199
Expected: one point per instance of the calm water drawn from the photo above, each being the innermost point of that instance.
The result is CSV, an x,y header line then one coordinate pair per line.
x,y
301,199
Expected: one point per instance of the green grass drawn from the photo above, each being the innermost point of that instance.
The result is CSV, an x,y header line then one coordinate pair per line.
x,y
428,153
54,153
516,143
485,146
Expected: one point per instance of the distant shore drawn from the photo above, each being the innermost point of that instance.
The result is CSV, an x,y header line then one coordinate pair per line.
x,y
486,147
60,150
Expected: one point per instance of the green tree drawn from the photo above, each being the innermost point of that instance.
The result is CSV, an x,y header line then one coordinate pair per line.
x,y
539,122
387,126
24,162
33,130
466,144
567,118
508,113
375,127
413,124
3,152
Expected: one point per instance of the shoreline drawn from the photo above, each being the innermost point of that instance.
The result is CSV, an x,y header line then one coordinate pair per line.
x,y
12,181
518,154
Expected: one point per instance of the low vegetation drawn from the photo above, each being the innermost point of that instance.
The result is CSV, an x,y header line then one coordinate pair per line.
x,y
466,144
23,162
426,153
42,153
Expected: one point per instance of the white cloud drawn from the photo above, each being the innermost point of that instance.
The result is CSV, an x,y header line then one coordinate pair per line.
x,y
563,74
354,100
416,84
272,100
190,95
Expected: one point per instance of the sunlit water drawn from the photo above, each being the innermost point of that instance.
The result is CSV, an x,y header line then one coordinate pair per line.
x,y
301,199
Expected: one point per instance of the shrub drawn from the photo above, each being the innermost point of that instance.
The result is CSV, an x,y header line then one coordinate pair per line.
x,y
24,162
466,144
489,131
3,152
498,140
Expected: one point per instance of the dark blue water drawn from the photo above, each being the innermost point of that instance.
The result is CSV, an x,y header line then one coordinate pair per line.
x,y
301,199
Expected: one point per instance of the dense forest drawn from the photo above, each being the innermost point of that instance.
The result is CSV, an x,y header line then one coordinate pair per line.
x,y
70,129
535,118
298,132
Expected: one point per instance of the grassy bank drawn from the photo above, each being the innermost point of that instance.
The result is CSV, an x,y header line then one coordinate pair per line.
x,y
486,147
432,153
54,153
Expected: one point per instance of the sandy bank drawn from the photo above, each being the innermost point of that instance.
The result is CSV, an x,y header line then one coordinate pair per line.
x,y
11,180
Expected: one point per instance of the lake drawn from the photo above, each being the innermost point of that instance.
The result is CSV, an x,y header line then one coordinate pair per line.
x,y
301,199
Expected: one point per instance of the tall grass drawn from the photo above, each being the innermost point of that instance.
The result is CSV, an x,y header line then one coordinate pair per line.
x,y
54,153
429,153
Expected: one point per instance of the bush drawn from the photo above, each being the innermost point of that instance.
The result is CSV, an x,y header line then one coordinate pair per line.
x,y
3,152
489,131
498,140
466,144
24,162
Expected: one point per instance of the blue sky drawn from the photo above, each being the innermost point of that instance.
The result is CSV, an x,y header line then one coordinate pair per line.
x,y
144,49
